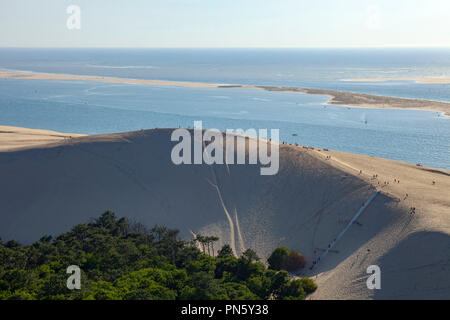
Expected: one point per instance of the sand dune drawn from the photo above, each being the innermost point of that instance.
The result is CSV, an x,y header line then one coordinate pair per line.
x,y
412,250
47,189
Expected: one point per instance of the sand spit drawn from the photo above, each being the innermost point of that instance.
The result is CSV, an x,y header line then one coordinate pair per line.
x,y
49,76
48,189
363,100
339,98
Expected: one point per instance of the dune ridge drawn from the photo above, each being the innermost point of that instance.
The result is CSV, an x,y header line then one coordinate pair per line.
x,y
16,138
337,98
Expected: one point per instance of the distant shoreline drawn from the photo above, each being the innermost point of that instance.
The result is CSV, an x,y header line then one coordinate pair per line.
x,y
338,98
53,76
363,100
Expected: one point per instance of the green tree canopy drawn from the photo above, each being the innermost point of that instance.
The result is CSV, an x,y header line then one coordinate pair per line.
x,y
124,260
277,257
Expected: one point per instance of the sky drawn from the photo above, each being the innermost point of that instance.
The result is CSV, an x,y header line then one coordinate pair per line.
x,y
225,23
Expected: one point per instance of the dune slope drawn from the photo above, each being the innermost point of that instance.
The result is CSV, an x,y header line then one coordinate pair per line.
x,y
48,189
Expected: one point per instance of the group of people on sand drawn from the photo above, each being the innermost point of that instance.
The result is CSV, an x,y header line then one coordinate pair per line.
x,y
314,263
395,181
297,145
318,259
289,144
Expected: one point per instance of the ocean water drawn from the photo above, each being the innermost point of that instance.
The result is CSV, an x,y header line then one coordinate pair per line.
x,y
95,107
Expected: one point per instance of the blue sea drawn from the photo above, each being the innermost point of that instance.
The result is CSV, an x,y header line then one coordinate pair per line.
x,y
95,107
